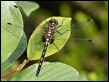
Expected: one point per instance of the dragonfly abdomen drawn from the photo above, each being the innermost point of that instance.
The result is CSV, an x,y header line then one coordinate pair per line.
x,y
42,58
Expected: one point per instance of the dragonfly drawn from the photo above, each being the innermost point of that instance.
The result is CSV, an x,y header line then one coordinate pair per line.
x,y
48,37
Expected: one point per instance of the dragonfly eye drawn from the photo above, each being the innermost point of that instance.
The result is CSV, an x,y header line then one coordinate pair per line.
x,y
53,22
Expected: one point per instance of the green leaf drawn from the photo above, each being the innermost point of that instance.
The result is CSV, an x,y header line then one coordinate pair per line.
x,y
17,53
10,34
27,6
50,72
35,45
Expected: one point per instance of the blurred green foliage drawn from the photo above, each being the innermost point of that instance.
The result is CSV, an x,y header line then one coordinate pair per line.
x,y
91,60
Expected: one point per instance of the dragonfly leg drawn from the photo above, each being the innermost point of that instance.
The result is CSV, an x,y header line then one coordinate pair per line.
x,y
56,46
61,24
44,27
62,32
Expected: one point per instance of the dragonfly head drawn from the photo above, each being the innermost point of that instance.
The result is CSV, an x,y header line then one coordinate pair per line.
x,y
53,22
